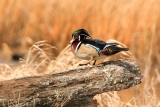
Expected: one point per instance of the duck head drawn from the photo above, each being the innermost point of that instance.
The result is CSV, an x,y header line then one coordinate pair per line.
x,y
80,35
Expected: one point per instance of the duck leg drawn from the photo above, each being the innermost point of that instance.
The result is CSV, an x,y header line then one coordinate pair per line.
x,y
94,62
88,62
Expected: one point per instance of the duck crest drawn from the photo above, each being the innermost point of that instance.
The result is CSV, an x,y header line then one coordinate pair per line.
x,y
75,46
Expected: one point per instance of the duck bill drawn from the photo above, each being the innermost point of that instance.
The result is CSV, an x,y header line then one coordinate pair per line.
x,y
71,41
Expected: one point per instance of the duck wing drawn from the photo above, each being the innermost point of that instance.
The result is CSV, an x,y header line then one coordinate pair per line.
x,y
97,44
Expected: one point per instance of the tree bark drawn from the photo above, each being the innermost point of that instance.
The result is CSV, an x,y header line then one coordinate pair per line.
x,y
72,88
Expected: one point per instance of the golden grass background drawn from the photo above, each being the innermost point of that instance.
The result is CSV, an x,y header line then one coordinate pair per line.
x,y
136,23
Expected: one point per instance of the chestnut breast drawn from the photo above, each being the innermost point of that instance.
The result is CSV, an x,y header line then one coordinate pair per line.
x,y
75,46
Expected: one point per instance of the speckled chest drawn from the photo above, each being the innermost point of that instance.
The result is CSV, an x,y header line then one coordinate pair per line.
x,y
75,46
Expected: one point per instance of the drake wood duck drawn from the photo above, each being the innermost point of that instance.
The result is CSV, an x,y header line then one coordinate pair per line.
x,y
84,47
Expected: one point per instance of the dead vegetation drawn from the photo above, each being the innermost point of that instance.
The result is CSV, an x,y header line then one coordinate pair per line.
x,y
134,23
39,63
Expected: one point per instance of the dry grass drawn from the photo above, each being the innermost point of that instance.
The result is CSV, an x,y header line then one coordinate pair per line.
x,y
38,62
135,23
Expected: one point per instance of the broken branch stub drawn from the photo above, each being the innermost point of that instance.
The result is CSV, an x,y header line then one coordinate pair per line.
x,y
70,88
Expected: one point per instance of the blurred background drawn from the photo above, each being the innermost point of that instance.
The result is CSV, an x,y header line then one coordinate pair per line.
x,y
136,23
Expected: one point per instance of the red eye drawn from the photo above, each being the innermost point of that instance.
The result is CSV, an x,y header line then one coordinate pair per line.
x,y
76,35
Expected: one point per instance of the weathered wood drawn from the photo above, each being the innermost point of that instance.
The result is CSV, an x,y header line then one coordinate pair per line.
x,y
72,88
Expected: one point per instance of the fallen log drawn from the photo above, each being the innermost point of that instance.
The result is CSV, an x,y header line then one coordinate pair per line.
x,y
71,88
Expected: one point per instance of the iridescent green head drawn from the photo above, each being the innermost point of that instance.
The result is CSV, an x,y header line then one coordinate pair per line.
x,y
80,35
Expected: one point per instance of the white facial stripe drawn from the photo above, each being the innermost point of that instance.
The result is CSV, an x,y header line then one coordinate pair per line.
x,y
77,47
85,31
86,35
83,34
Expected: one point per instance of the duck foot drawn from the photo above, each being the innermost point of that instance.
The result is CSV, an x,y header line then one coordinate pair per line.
x,y
88,63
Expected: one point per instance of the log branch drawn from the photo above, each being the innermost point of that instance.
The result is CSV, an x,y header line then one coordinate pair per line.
x,y
70,88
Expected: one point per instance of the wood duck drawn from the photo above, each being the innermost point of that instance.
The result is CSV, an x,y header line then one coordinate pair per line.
x,y
84,47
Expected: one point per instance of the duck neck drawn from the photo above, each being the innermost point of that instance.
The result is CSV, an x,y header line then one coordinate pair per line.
x,y
75,46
